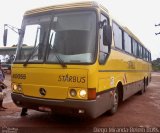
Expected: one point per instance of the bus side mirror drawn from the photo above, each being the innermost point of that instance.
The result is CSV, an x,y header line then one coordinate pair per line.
x,y
5,37
107,35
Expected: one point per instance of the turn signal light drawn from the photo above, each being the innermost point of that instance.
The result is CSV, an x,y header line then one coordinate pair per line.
x,y
92,94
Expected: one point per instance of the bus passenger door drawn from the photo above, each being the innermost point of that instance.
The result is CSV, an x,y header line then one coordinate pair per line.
x,y
105,45
104,51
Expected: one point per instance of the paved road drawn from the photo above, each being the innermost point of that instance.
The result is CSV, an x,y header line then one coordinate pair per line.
x,y
140,111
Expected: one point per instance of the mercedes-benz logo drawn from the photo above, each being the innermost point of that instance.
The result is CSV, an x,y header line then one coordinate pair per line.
x,y
42,91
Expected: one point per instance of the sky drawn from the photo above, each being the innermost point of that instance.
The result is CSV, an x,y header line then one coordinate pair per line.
x,y
140,16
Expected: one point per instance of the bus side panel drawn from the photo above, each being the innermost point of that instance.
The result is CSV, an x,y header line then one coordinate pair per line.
x,y
122,67
130,89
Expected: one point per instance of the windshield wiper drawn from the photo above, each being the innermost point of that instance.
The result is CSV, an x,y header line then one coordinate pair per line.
x,y
35,47
60,61
57,56
29,57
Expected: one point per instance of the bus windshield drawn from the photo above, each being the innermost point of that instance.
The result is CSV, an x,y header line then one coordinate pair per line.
x,y
68,37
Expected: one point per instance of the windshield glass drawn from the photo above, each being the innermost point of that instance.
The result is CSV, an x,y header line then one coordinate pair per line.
x,y
68,37
35,29
72,37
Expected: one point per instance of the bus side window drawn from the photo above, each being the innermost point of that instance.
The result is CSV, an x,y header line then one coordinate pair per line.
x,y
118,36
104,49
134,46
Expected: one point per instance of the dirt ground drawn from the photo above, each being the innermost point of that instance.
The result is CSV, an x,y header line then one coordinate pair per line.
x,y
140,113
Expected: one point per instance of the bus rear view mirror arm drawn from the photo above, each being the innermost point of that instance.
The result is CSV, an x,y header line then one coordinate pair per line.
x,y
5,34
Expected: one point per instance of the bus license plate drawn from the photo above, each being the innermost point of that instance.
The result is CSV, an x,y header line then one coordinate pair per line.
x,y
45,109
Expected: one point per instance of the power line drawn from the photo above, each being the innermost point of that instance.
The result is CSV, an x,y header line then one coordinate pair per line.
x,y
156,26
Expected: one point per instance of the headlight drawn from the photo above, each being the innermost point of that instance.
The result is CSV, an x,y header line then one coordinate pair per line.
x,y
73,92
15,87
19,88
83,93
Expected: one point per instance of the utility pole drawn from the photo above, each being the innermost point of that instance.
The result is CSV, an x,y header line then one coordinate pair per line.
x,y
156,26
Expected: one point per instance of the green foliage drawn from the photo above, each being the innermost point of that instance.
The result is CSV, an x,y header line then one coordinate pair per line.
x,y
156,64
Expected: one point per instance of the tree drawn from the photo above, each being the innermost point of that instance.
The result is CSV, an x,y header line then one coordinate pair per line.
x,y
156,64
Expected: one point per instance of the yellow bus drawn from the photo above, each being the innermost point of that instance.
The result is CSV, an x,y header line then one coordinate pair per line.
x,y
82,62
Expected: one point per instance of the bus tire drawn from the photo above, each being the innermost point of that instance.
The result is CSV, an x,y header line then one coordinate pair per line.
x,y
144,88
147,81
114,108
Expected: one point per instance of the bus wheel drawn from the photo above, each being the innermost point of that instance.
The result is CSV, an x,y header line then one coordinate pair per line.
x,y
114,108
144,88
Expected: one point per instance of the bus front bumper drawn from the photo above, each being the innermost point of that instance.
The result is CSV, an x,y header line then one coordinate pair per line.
x,y
90,108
